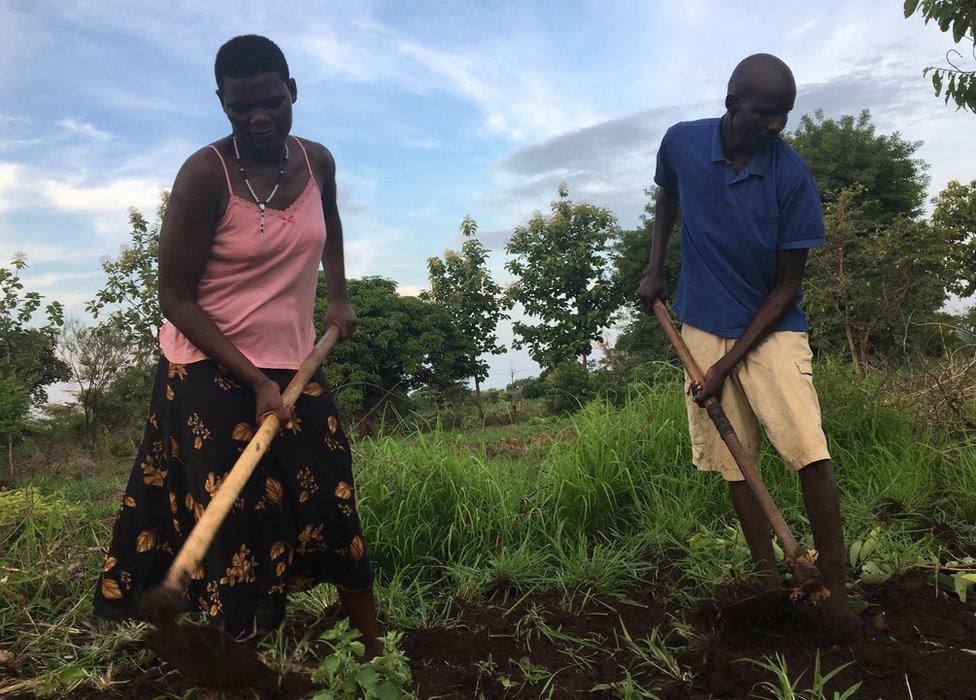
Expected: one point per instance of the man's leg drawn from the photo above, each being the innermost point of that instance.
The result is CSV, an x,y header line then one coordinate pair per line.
x,y
822,502
758,532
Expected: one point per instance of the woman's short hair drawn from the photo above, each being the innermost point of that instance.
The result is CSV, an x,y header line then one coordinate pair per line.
x,y
249,55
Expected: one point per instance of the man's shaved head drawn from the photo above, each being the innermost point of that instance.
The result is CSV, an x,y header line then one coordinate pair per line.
x,y
760,98
763,73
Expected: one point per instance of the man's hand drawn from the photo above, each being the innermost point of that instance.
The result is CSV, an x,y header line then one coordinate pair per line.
x,y
651,288
714,380
342,316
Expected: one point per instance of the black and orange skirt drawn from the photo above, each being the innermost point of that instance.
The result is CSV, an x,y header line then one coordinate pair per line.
x,y
294,526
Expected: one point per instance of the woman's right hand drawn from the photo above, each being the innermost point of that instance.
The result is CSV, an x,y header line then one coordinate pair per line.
x,y
269,400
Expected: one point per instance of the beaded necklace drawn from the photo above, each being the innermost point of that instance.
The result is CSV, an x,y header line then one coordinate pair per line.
x,y
261,205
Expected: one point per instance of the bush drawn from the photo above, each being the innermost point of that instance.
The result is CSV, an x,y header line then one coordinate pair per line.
x,y
568,387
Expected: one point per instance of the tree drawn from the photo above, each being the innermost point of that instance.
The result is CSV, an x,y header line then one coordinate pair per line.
x,y
847,152
27,364
401,343
129,298
97,356
959,16
869,286
955,214
462,283
642,339
563,273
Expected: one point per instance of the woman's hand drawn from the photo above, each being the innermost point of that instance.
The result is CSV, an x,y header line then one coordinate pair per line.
x,y
341,315
269,400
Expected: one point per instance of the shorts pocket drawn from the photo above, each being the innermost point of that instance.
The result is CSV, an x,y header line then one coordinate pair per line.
x,y
805,367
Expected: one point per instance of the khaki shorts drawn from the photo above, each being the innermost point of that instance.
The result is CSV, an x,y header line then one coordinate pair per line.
x,y
772,386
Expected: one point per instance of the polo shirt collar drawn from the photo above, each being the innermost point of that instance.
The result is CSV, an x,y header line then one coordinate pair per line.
x,y
759,163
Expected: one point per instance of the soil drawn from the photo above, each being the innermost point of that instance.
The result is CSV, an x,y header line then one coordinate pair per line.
x,y
914,636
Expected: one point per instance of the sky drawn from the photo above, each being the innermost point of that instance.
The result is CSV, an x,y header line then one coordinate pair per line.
x,y
433,110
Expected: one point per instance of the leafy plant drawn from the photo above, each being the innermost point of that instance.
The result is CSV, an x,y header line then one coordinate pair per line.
x,y
959,17
385,677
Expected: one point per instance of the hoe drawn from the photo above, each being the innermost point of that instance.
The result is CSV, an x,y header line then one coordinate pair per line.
x,y
206,654
807,581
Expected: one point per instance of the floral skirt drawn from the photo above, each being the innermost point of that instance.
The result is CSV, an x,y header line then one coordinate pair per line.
x,y
294,525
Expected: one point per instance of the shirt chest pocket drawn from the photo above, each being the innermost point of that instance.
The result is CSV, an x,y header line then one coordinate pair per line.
x,y
763,229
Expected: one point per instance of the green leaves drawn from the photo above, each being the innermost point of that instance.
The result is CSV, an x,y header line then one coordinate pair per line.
x,y
386,677
463,285
959,17
129,298
564,279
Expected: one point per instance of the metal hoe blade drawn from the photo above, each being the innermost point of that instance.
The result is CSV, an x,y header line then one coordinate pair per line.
x,y
208,656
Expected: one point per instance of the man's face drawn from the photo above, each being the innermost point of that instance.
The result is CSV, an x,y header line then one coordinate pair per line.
x,y
259,109
760,116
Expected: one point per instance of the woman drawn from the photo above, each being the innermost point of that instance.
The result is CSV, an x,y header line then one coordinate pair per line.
x,y
248,221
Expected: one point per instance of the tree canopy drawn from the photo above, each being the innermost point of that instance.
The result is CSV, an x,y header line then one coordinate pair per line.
x,y
564,279
462,283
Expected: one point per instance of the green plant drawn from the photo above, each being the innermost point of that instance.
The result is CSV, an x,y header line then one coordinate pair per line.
x,y
385,677
653,653
786,689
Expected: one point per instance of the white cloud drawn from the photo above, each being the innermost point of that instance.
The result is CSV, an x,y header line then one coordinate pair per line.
x,y
11,180
426,143
84,129
115,196
804,27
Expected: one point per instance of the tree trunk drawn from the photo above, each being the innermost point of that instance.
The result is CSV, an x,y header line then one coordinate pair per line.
x,y
850,340
477,393
864,346
10,455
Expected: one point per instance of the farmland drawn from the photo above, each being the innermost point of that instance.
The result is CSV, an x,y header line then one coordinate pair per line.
x,y
560,556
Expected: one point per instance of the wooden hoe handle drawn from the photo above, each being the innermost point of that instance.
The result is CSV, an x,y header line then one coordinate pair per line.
x,y
202,535
742,458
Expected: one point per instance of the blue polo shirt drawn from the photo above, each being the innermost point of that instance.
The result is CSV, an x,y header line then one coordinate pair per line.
x,y
733,223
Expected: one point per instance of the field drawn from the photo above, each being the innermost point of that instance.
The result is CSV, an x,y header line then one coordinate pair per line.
x,y
561,557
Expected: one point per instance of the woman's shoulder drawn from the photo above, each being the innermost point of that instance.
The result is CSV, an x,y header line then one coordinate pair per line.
x,y
203,163
318,155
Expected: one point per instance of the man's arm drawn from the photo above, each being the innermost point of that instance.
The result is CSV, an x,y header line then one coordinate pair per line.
x,y
339,311
789,276
654,284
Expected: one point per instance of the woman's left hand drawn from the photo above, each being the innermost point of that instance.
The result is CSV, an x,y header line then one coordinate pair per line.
x,y
341,315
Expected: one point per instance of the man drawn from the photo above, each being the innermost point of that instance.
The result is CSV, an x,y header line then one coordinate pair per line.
x,y
750,210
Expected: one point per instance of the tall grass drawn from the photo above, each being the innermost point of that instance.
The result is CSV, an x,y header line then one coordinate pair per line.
x,y
610,499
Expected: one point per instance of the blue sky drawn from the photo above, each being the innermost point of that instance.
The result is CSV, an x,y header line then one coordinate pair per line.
x,y
433,110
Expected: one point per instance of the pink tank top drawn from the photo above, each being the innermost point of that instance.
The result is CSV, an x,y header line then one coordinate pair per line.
x,y
260,293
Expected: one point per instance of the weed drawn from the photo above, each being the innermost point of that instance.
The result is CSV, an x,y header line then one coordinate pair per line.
x,y
385,677
786,689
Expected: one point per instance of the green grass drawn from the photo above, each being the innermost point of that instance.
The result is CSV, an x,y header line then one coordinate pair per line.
x,y
600,501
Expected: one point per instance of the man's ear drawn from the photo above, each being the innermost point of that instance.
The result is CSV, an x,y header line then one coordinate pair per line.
x,y
293,89
220,97
730,103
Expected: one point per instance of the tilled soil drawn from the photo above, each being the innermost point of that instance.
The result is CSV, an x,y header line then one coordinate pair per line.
x,y
916,642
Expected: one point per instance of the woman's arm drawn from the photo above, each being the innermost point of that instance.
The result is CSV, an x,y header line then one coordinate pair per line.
x,y
184,246
339,311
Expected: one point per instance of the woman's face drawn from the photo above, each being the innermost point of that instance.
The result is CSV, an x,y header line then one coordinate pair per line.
x,y
259,109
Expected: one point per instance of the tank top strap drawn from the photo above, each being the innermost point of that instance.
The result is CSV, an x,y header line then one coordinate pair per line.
x,y
307,162
230,190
